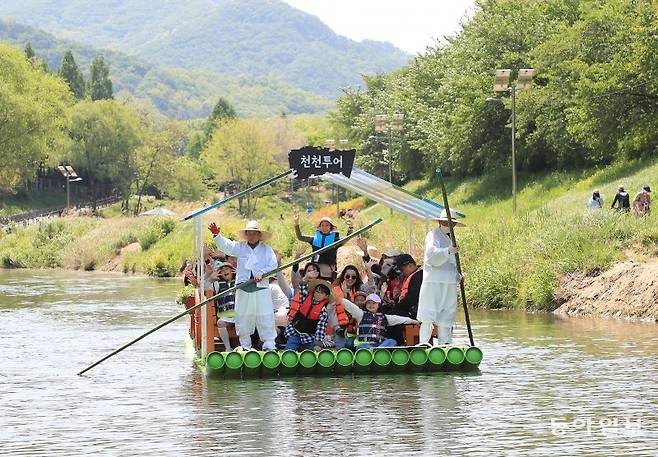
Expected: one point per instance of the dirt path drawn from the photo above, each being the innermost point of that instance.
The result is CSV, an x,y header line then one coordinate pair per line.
x,y
628,290
116,263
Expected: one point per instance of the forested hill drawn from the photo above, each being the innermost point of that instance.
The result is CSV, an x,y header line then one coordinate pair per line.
x,y
254,37
177,93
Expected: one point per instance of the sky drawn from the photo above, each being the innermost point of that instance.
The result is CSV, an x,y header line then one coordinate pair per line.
x,y
411,25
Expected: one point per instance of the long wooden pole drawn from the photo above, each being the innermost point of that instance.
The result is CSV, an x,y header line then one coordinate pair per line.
x,y
232,289
454,243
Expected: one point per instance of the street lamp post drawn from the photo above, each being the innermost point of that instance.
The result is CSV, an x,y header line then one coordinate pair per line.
x,y
502,85
389,124
71,176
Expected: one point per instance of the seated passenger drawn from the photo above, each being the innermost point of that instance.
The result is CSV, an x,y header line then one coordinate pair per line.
x,y
224,305
346,285
372,323
308,318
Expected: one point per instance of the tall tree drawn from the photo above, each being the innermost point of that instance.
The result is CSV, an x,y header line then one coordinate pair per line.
x,y
29,52
33,118
99,86
222,112
70,72
106,138
242,152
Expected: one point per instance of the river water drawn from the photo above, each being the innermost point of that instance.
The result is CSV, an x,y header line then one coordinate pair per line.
x,y
547,386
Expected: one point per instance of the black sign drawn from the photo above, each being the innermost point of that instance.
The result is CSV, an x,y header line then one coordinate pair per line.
x,y
313,161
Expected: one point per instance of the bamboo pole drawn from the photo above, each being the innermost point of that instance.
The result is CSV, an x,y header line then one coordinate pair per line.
x,y
454,243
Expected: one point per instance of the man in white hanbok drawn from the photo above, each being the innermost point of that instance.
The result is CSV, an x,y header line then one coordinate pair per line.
x,y
437,301
253,304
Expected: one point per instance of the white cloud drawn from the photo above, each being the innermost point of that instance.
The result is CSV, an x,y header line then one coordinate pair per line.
x,y
409,24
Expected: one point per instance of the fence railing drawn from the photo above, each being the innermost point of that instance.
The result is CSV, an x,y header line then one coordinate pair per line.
x,y
30,217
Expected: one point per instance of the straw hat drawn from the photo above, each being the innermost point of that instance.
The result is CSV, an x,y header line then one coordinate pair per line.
x,y
253,226
313,283
327,219
373,252
444,217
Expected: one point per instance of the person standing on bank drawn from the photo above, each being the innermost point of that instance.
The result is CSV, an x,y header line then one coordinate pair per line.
x,y
253,304
596,202
642,202
623,199
325,235
437,300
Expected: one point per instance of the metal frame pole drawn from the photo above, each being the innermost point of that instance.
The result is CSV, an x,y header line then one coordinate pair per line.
x,y
513,96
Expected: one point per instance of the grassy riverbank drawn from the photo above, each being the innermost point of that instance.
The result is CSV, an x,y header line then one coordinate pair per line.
x,y
509,260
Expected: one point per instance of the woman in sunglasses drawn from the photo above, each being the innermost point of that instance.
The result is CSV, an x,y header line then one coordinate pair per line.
x,y
346,285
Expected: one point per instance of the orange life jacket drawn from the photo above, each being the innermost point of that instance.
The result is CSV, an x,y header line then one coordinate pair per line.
x,y
405,284
304,317
342,315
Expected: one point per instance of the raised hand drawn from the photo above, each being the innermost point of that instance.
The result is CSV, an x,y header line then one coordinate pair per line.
x,y
214,229
300,251
295,218
362,244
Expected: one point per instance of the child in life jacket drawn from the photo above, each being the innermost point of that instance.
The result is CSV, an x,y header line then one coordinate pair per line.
x,y
325,235
308,317
372,323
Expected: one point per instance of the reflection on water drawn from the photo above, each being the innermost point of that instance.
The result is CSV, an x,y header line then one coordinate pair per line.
x,y
547,386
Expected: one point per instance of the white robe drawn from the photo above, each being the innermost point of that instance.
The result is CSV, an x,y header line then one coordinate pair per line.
x,y
437,301
252,309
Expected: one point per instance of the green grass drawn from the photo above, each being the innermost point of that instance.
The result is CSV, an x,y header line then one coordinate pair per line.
x,y
23,202
516,260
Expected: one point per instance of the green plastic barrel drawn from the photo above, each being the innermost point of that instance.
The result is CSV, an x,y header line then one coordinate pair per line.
x,y
454,357
307,362
344,361
326,361
289,362
362,360
436,357
215,364
399,359
251,364
233,361
270,362
417,359
472,357
381,359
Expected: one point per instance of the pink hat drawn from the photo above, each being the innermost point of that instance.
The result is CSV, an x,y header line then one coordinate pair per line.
x,y
374,297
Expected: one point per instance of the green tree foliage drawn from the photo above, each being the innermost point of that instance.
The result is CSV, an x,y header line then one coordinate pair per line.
x,y
242,152
594,100
99,86
106,139
222,112
194,145
184,180
29,52
33,118
155,159
69,72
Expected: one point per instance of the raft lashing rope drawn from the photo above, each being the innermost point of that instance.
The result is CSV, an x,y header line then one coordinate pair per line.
x,y
254,364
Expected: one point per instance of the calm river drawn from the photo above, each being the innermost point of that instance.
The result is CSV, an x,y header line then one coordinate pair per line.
x,y
547,386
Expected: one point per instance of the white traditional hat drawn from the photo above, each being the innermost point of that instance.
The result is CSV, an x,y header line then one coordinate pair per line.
x,y
253,226
444,217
